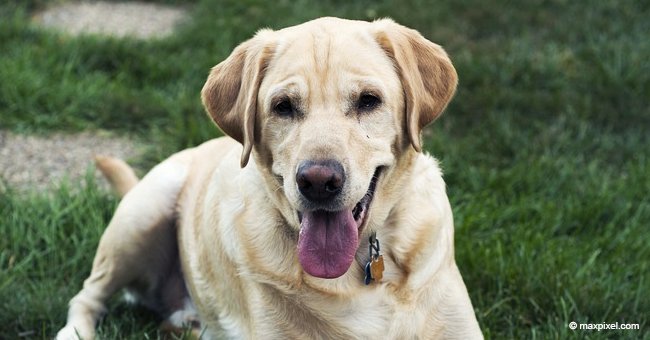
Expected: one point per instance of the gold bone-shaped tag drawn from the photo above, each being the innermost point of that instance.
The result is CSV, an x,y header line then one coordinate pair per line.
x,y
377,268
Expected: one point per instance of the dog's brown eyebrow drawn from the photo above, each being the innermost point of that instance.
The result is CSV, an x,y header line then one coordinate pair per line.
x,y
282,93
288,88
362,87
367,86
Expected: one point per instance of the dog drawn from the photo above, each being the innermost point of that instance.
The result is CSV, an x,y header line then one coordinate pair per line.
x,y
318,217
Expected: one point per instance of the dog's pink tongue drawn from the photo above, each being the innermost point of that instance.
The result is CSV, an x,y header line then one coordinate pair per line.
x,y
327,243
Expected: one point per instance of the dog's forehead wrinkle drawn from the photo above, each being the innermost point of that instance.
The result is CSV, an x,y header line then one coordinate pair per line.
x,y
328,45
321,45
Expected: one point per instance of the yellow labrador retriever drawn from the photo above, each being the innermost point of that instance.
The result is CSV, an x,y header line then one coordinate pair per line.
x,y
319,218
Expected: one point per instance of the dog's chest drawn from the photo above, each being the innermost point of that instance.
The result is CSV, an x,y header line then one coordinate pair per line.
x,y
379,314
365,315
371,312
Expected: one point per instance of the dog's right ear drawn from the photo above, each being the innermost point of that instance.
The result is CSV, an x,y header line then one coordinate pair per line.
x,y
230,93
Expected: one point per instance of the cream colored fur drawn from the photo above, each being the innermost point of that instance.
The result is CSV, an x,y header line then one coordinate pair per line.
x,y
217,241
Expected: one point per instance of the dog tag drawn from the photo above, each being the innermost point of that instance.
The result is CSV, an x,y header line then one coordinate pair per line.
x,y
368,277
377,268
374,269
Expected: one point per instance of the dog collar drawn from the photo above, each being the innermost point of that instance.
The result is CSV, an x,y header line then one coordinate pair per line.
x,y
375,266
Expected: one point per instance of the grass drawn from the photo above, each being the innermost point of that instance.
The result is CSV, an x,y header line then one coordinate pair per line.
x,y
545,150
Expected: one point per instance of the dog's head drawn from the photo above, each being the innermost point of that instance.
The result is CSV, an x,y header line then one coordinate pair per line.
x,y
328,108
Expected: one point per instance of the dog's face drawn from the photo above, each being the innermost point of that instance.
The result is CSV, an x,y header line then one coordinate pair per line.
x,y
329,107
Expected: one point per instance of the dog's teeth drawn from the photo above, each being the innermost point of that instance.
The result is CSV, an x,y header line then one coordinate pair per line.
x,y
356,212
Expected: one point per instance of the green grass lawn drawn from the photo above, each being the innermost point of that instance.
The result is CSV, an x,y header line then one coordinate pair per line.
x,y
545,148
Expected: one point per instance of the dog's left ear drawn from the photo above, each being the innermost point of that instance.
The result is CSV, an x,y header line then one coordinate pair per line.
x,y
428,78
230,93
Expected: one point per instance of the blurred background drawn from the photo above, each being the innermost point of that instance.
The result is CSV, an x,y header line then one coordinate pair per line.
x,y
545,147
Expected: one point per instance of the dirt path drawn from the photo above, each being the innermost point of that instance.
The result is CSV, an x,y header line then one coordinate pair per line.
x,y
138,19
31,161
38,162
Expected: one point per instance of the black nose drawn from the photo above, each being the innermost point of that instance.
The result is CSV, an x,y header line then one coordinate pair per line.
x,y
320,181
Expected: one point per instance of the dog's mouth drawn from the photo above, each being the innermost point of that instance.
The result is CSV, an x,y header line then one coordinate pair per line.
x,y
360,210
328,240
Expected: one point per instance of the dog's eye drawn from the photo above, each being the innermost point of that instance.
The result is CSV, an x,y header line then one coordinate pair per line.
x,y
368,102
283,108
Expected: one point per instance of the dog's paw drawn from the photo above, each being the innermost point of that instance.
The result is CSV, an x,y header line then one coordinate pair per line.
x,y
69,332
